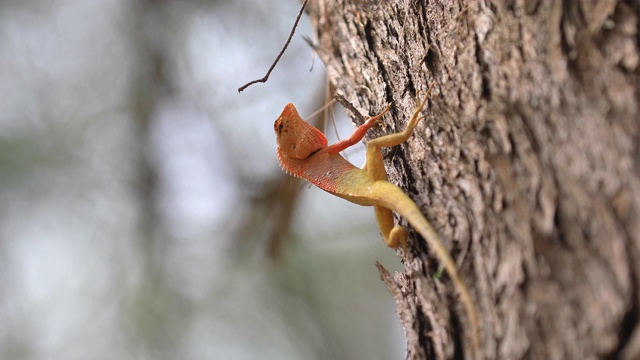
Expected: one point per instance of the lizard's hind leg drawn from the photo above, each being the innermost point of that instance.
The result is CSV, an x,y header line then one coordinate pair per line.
x,y
393,235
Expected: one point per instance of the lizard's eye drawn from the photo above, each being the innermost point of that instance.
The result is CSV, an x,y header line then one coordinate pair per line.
x,y
278,125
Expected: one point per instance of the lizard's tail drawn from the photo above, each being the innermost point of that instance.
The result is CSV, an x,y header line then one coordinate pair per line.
x,y
392,197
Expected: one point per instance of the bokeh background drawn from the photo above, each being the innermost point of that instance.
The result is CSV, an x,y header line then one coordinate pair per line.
x,y
142,211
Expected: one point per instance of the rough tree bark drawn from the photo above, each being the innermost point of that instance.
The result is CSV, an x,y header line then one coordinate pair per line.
x,y
528,165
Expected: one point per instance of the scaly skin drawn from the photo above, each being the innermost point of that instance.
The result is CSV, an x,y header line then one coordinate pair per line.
x,y
303,152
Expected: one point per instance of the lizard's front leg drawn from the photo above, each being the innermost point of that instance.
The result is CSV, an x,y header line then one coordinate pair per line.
x,y
358,133
399,138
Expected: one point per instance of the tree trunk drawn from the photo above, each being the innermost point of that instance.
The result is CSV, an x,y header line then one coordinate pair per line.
x,y
528,165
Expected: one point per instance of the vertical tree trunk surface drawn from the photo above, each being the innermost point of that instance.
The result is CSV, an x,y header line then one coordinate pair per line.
x,y
528,165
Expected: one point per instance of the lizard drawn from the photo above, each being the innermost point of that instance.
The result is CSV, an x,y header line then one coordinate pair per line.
x,y
303,152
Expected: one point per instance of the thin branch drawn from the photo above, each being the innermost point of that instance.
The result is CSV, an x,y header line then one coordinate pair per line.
x,y
293,30
344,102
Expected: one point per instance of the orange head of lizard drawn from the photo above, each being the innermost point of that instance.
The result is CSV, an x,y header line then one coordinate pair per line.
x,y
296,138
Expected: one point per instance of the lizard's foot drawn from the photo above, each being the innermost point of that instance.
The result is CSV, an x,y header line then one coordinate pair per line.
x,y
377,119
398,237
